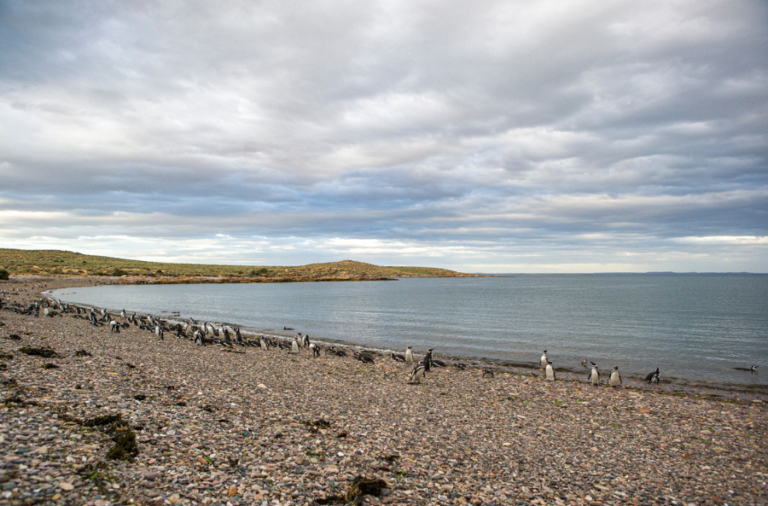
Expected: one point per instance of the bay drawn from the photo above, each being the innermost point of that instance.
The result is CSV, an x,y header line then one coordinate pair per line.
x,y
694,327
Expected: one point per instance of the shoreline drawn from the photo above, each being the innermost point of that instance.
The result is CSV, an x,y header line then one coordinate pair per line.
x,y
669,384
268,428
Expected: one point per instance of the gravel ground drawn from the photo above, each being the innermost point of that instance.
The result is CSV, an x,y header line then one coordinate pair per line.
x,y
248,426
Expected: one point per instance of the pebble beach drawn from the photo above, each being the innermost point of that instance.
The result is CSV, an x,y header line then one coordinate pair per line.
x,y
246,426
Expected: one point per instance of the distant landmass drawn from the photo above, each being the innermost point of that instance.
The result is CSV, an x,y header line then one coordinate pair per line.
x,y
68,263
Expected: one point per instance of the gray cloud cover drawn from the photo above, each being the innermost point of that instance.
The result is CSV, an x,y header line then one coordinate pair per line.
x,y
553,136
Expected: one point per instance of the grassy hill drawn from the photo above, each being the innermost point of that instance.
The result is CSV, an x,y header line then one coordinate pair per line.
x,y
67,263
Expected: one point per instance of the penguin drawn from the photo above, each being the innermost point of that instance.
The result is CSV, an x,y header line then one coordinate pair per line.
x,y
460,366
122,314
649,377
238,336
428,360
488,373
159,331
584,364
264,345
364,357
543,359
655,379
594,375
295,346
397,357
615,379
417,371
751,369
114,327
550,371
438,363
305,340
315,350
409,355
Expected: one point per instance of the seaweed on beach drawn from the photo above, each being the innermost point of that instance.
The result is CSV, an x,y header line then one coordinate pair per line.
x,y
125,443
358,489
362,486
45,352
101,421
125,447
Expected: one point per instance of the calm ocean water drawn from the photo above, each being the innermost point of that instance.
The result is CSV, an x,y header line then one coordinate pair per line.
x,y
693,327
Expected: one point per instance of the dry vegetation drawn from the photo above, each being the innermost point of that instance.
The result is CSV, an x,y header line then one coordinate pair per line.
x,y
67,263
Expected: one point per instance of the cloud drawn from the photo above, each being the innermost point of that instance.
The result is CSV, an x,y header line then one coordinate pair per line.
x,y
472,136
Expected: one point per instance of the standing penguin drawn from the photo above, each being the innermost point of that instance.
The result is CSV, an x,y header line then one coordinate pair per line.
x,y
295,346
409,355
428,360
615,379
159,331
550,371
594,375
122,314
263,343
114,327
315,350
543,360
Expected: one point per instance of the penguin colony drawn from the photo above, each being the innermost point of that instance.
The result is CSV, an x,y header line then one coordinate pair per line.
x,y
207,333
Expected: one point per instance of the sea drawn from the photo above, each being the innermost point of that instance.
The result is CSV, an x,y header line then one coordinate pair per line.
x,y
696,328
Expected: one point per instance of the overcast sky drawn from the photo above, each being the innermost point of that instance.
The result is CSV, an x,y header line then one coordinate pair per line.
x,y
509,136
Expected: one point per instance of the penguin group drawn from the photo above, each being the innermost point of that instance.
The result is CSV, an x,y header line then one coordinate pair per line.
x,y
208,333
593,377
546,364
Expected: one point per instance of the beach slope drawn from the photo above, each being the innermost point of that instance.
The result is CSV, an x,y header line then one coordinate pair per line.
x,y
244,426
